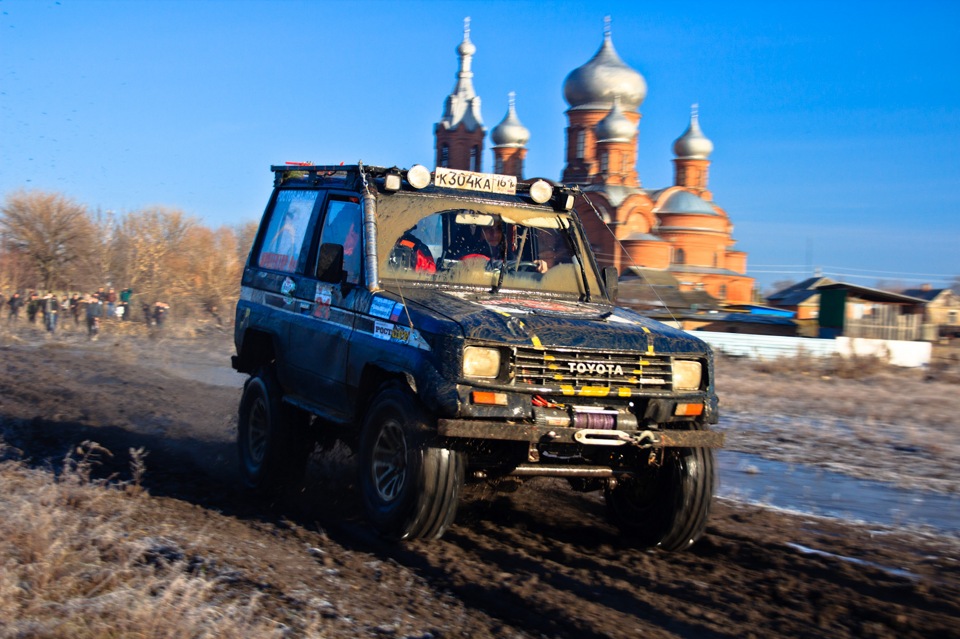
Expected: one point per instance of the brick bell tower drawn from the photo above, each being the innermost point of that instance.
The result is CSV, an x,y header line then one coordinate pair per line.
x,y
460,132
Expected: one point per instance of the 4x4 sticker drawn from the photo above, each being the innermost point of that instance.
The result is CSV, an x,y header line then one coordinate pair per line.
x,y
382,330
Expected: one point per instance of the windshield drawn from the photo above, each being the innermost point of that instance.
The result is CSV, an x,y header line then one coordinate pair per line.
x,y
452,242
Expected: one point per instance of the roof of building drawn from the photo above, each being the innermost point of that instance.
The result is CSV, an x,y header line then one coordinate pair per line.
x,y
510,132
615,126
928,294
463,105
685,202
693,144
605,75
800,292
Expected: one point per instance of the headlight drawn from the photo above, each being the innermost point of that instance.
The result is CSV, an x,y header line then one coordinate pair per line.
x,y
686,374
481,362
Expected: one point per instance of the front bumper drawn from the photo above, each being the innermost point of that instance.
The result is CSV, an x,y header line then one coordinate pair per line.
x,y
542,434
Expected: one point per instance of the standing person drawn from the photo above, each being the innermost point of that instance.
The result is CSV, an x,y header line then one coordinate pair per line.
x,y
75,308
147,313
51,309
15,302
94,313
111,303
125,297
33,307
160,313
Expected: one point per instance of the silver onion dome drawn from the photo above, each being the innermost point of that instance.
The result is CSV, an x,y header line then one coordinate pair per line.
x,y
693,144
616,127
604,76
510,132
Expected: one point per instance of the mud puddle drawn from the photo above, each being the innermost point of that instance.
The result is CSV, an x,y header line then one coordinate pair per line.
x,y
806,489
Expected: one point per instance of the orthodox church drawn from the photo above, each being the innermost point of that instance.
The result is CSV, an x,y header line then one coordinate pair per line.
x,y
676,234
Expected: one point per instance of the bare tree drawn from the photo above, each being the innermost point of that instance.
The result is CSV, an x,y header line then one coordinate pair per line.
x,y
147,253
51,231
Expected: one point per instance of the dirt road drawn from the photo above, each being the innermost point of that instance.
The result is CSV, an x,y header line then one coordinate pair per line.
x,y
530,561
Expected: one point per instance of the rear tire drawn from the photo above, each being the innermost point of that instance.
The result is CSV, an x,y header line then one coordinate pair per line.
x,y
272,439
666,506
410,488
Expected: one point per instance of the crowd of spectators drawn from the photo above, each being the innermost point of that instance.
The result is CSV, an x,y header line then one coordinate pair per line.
x,y
104,304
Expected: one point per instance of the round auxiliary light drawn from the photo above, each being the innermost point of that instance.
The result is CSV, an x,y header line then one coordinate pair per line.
x,y
418,176
540,191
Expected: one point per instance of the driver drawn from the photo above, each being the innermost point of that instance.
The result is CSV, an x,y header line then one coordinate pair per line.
x,y
493,236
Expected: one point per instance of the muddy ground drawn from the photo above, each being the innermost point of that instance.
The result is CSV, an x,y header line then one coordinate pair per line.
x,y
531,561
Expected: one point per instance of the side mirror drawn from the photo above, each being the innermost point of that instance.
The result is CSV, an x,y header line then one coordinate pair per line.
x,y
330,263
611,282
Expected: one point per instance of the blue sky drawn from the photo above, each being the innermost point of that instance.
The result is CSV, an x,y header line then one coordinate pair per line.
x,y
836,125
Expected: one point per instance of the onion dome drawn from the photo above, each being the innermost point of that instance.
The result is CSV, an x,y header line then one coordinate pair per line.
x,y
686,202
463,105
693,144
616,127
510,132
605,75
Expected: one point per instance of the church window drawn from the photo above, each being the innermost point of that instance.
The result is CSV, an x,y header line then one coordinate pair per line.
x,y
723,291
604,162
444,155
581,142
499,168
474,158
715,260
679,256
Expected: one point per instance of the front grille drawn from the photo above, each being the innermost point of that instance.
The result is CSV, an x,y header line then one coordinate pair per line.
x,y
623,373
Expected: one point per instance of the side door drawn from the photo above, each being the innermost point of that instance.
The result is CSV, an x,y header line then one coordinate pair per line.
x,y
274,271
320,337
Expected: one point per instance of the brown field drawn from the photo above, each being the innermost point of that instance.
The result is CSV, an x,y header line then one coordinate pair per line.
x,y
145,534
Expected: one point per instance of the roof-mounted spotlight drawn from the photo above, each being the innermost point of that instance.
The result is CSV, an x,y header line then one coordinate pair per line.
x,y
391,181
563,201
418,176
541,191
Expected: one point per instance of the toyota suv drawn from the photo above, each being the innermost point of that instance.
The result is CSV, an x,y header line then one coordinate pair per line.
x,y
454,327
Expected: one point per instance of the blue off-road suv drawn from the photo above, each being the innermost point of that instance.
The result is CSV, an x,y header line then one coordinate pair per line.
x,y
454,326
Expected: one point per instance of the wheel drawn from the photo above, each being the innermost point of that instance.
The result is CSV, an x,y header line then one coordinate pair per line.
x,y
665,506
410,488
272,438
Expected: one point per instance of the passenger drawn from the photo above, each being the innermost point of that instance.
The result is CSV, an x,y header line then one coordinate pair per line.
x,y
410,252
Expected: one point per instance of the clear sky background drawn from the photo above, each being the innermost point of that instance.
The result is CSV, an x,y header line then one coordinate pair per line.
x,y
836,125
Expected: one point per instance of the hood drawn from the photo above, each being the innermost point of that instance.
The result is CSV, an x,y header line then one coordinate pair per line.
x,y
522,320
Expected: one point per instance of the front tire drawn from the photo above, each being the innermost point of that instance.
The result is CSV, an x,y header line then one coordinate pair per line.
x,y
271,438
666,506
410,488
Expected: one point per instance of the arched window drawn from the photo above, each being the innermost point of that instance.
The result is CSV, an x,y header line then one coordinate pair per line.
x,y
475,158
604,162
679,256
715,259
444,156
723,291
499,165
581,142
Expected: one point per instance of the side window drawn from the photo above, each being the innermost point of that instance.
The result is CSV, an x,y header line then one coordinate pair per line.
x,y
289,220
341,225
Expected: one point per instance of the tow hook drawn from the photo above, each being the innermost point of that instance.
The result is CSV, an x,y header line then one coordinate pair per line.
x,y
600,437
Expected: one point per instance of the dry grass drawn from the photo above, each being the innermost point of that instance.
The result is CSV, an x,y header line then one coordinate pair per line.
x,y
73,566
